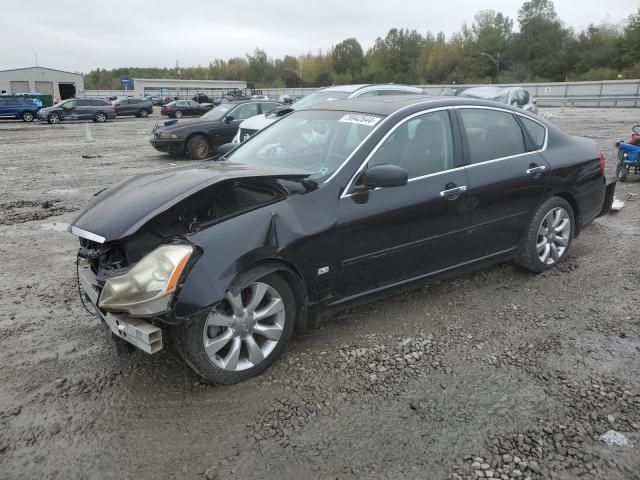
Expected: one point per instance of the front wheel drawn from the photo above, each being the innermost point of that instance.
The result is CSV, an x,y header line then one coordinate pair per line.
x,y
242,335
143,114
198,147
54,118
27,116
548,237
621,172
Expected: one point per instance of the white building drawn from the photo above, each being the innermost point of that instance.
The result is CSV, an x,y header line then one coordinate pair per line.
x,y
166,87
57,83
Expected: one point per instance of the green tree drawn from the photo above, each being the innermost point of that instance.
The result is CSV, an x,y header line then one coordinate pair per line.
x,y
348,57
491,34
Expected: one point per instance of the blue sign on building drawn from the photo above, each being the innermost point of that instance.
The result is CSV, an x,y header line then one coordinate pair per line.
x,y
125,82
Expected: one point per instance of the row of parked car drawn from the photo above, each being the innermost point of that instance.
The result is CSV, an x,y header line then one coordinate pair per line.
x,y
239,119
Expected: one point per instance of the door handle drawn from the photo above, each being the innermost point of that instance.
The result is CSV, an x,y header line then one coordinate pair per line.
x,y
453,193
534,170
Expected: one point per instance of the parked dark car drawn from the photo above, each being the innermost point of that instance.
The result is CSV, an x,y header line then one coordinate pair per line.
x,y
184,108
133,106
329,206
155,100
24,108
95,109
200,138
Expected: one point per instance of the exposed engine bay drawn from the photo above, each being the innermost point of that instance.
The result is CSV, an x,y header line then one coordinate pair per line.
x,y
218,202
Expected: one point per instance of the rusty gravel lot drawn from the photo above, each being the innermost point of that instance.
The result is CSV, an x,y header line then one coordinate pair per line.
x,y
492,374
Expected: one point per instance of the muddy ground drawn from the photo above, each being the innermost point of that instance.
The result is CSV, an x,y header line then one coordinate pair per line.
x,y
497,373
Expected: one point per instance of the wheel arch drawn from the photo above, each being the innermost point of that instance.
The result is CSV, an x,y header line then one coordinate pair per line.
x,y
193,134
571,200
290,273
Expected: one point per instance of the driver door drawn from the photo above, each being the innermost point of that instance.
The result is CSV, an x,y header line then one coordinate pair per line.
x,y
391,235
70,110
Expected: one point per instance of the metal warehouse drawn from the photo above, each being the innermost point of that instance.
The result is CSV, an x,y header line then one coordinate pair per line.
x,y
183,88
57,83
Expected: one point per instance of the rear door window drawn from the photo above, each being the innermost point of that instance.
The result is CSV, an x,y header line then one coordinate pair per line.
x,y
536,131
491,134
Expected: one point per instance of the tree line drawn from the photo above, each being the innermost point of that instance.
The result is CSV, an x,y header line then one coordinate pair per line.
x,y
489,50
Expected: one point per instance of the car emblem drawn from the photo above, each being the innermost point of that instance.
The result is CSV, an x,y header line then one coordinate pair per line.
x,y
244,138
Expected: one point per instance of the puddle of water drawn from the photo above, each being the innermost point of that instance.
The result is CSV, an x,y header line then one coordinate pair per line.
x,y
55,226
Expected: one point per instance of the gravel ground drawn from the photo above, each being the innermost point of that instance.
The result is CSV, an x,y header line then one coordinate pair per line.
x,y
492,374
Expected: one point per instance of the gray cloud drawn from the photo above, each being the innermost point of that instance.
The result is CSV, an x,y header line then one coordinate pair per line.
x,y
78,36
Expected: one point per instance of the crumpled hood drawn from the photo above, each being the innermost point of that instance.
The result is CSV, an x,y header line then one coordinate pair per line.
x,y
122,209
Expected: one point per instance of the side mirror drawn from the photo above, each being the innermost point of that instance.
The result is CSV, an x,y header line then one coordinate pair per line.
x,y
226,148
228,119
382,176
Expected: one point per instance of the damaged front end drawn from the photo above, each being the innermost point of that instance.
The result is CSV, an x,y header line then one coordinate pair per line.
x,y
132,265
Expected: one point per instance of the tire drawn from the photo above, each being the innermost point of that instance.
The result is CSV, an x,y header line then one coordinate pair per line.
x,y
100,117
621,172
27,116
143,114
232,339
539,240
178,114
198,147
54,118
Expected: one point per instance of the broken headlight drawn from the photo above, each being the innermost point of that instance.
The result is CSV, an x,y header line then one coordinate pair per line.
x,y
148,287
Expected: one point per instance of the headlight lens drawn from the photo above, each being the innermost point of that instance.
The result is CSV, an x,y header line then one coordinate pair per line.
x,y
168,135
147,288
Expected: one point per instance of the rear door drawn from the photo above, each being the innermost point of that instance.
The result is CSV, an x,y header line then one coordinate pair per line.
x,y
9,107
508,178
391,235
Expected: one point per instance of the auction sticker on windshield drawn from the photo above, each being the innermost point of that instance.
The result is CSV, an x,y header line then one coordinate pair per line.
x,y
360,119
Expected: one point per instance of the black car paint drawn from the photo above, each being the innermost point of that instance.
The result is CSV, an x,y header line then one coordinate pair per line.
x,y
133,106
218,132
370,241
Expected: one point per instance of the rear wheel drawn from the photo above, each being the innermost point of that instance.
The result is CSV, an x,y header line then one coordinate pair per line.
x,y
198,147
100,117
54,118
178,114
549,236
242,335
27,116
621,172
143,114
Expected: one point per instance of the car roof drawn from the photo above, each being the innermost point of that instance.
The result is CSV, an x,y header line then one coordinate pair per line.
x,y
388,104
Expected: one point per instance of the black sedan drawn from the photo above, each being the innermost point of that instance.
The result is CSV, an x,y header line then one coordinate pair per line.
x,y
184,108
201,137
327,207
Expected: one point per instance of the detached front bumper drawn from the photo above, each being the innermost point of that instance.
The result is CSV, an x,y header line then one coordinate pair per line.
x,y
136,331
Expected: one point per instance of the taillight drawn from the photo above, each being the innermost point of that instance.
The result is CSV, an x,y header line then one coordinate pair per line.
x,y
603,161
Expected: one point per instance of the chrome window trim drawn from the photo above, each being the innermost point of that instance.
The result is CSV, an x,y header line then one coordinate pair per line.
x,y
546,130
345,194
79,232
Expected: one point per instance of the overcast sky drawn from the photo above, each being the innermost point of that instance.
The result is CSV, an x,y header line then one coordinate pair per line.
x,y
79,36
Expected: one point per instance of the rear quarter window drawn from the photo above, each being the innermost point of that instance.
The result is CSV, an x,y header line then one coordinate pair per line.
x,y
536,131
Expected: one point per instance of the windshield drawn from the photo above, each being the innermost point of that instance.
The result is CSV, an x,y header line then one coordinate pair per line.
x,y
314,141
219,112
319,97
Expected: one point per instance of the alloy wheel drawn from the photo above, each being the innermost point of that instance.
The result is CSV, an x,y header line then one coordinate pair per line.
x,y
54,118
27,116
178,114
101,117
245,328
553,235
